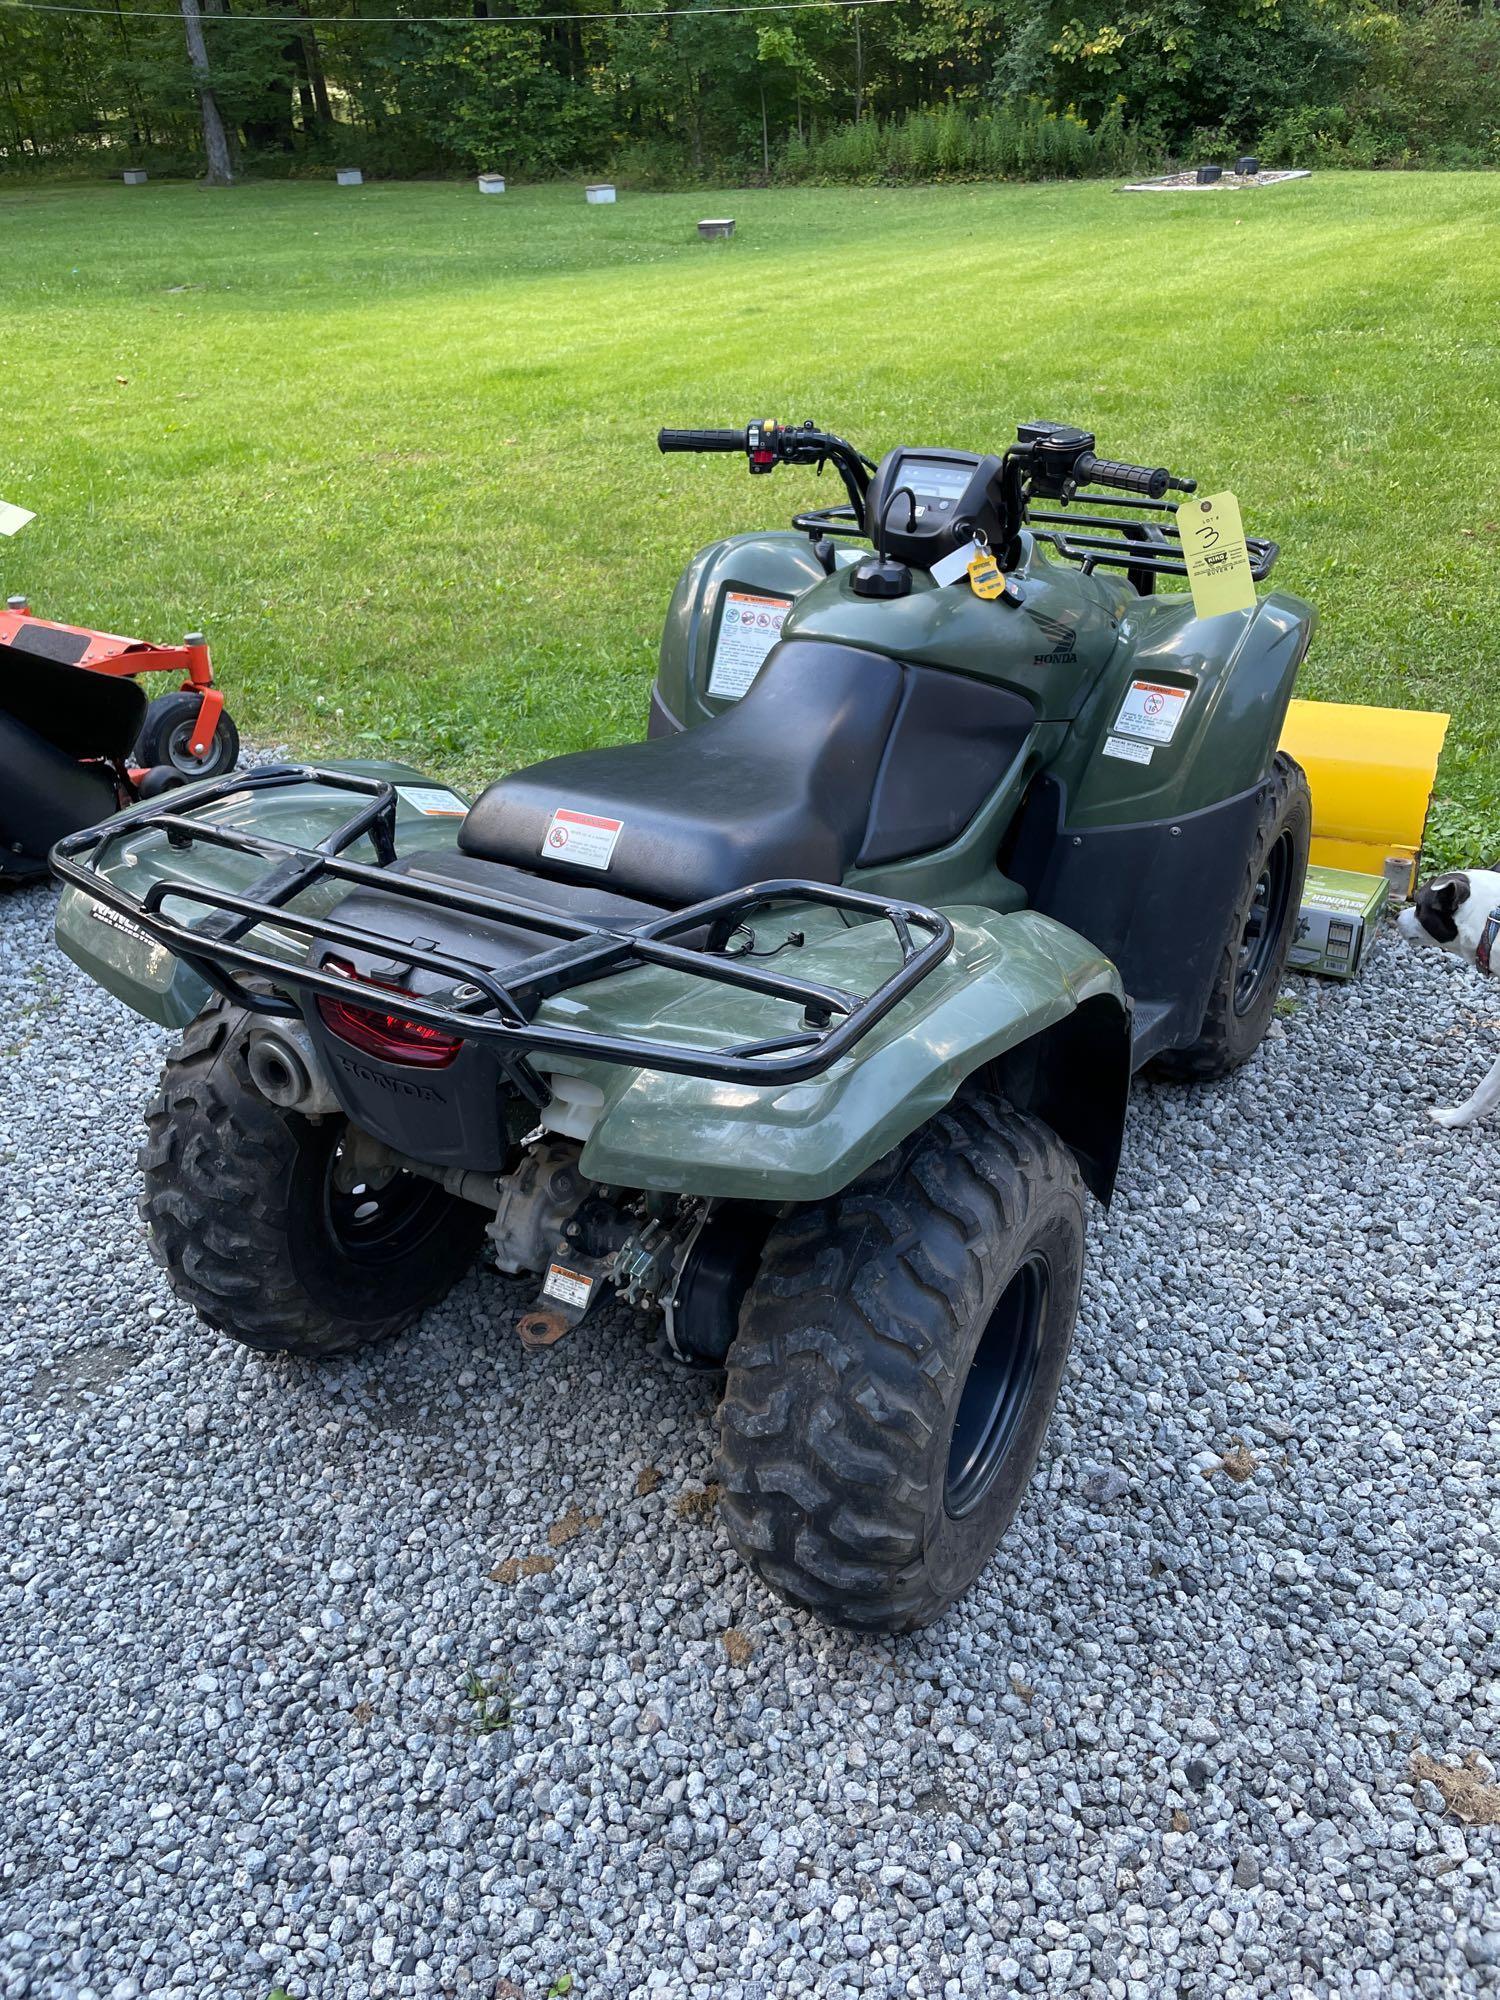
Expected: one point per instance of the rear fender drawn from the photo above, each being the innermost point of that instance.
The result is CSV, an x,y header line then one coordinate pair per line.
x,y
145,975
1019,996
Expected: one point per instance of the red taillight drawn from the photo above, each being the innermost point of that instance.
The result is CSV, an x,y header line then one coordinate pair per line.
x,y
392,1037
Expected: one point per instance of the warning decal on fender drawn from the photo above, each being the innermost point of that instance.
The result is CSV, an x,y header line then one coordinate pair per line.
x,y
750,627
571,1287
1151,710
433,801
1132,753
583,840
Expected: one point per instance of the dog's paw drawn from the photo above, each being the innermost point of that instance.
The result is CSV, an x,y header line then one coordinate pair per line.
x,y
1448,1119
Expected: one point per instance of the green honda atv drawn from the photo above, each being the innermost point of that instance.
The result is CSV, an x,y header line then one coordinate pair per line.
x,y
802,1027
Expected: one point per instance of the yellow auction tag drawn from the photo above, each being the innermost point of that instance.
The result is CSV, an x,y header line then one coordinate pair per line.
x,y
1218,563
985,576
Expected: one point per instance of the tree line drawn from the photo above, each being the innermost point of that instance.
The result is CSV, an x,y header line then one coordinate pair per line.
x,y
899,89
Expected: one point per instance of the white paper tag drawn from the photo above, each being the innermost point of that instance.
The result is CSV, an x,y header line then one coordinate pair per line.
x,y
583,840
435,801
1132,753
13,519
748,630
949,569
572,1287
1151,710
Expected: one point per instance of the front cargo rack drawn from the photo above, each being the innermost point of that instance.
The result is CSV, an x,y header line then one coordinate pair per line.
x,y
1147,549
485,1006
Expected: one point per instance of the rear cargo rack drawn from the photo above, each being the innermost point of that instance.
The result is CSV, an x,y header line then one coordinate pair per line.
x,y
1152,548
485,1006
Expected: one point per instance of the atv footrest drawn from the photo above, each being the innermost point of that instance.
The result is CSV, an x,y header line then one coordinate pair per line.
x,y
477,1003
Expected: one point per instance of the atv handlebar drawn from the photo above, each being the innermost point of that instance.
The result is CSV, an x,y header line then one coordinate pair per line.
x,y
700,440
1152,481
767,444
1048,461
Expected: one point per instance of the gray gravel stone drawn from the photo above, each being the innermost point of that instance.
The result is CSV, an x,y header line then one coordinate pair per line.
x,y
1158,1751
1100,1488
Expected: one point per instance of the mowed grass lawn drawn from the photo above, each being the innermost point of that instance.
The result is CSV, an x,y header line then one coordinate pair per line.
x,y
394,448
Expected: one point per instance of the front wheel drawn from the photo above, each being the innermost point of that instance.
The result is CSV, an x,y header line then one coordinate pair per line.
x,y
1261,929
166,738
897,1362
263,1227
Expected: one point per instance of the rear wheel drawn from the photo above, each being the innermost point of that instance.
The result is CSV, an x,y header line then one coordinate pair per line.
x,y
1260,933
897,1362
264,1225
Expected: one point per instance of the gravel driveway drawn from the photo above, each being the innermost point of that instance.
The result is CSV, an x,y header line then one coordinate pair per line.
x,y
1163,1749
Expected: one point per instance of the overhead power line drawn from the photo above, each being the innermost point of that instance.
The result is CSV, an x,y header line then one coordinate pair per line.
x,y
292,19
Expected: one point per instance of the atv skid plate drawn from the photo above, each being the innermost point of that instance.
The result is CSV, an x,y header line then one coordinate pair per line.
x,y
213,930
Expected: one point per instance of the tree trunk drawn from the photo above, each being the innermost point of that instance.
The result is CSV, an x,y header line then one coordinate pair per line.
x,y
765,134
215,139
859,70
316,75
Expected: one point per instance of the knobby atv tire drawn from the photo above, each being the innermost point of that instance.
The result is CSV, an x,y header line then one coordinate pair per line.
x,y
848,1375
237,1200
1233,1029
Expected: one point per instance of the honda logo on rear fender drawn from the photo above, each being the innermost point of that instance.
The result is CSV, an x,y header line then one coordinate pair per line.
x,y
398,1086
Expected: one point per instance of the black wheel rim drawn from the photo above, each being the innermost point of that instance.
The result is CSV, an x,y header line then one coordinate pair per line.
x,y
1263,926
180,754
996,1390
375,1223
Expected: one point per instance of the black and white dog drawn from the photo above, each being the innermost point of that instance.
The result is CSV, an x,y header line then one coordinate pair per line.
x,y
1461,914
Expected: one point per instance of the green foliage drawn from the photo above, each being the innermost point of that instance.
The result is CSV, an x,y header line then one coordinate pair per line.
x,y
1013,142
491,1699
1425,87
1176,67
948,90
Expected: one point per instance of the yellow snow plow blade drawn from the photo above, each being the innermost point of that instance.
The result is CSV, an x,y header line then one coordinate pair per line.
x,y
1371,771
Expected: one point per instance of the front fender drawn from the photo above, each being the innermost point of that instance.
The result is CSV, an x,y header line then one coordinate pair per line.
x,y
1236,671
1008,981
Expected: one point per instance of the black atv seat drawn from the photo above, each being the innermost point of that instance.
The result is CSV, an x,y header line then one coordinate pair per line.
x,y
835,757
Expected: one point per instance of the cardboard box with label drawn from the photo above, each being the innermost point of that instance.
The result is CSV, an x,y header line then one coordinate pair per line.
x,y
1339,916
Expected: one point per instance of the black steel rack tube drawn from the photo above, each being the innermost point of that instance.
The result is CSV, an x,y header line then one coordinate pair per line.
x,y
217,951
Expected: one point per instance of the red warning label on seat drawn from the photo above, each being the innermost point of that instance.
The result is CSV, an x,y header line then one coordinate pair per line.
x,y
583,840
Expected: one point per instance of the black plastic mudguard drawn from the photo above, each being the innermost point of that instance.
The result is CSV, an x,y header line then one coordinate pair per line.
x,y
1157,896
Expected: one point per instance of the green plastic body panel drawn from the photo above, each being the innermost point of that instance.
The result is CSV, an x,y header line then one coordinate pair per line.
x,y
1051,647
145,975
1238,671
1006,979
779,564
1073,646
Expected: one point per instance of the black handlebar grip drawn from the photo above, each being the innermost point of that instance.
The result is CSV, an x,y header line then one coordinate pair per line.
x,y
700,440
1152,481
